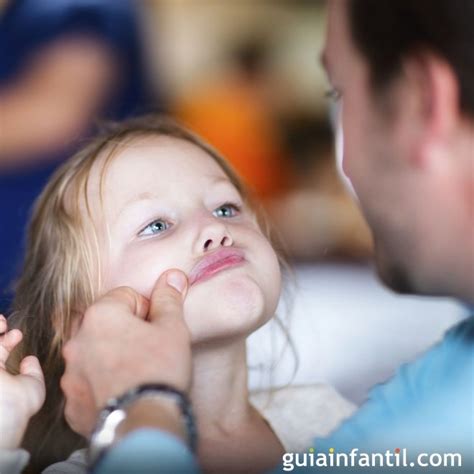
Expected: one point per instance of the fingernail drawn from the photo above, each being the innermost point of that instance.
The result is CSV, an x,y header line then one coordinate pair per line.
x,y
177,280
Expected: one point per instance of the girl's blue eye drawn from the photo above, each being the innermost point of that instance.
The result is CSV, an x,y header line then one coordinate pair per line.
x,y
227,210
155,227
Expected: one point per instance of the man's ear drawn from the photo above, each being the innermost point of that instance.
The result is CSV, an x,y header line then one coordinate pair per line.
x,y
436,87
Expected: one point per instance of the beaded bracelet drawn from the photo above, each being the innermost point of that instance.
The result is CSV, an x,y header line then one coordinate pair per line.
x,y
115,411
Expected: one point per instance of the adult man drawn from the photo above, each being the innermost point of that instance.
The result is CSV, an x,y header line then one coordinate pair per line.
x,y
405,71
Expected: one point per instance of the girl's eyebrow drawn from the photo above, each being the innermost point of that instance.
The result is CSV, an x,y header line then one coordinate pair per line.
x,y
145,196
219,179
148,196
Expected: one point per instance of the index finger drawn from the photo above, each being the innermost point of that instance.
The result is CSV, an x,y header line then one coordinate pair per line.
x,y
133,301
121,300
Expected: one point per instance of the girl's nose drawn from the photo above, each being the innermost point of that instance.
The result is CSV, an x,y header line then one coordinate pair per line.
x,y
213,236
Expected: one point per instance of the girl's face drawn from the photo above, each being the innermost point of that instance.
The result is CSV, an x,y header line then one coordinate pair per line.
x,y
167,204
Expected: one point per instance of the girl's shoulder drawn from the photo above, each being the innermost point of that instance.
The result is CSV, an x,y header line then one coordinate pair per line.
x,y
298,414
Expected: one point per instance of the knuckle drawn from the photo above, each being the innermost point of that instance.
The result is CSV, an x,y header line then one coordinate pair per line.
x,y
125,294
64,384
142,306
91,313
70,418
167,300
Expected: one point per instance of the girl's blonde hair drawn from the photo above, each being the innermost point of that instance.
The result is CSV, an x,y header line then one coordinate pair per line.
x,y
59,278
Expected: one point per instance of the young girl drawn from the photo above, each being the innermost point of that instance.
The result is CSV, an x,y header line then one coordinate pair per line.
x,y
146,196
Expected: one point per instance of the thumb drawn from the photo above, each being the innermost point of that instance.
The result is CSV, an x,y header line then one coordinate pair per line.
x,y
167,297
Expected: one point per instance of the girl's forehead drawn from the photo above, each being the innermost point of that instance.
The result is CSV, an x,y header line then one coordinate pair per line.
x,y
151,163
163,156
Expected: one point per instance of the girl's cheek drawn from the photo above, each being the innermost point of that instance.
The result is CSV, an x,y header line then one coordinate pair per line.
x,y
143,273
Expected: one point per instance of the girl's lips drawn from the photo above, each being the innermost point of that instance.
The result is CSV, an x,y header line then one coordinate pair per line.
x,y
215,263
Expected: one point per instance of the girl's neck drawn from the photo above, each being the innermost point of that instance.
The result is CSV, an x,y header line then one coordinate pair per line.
x,y
233,437
219,391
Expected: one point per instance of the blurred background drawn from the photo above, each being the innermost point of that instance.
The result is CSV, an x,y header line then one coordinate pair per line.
x,y
245,75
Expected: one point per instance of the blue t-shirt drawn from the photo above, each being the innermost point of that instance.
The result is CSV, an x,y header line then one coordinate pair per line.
x,y
426,411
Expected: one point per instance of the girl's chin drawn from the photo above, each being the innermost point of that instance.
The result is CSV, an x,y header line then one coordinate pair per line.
x,y
231,308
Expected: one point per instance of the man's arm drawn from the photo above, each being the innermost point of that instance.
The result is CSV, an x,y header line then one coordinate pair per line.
x,y
125,341
148,451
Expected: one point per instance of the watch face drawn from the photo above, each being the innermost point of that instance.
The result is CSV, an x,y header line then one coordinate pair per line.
x,y
104,433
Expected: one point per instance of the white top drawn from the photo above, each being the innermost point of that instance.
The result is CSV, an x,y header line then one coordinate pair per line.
x,y
297,414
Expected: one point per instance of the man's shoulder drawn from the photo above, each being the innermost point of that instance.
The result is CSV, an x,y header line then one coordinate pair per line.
x,y
450,359
426,404
447,365
438,381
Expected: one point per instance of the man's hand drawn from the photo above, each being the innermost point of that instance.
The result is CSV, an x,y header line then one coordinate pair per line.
x,y
125,340
21,396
